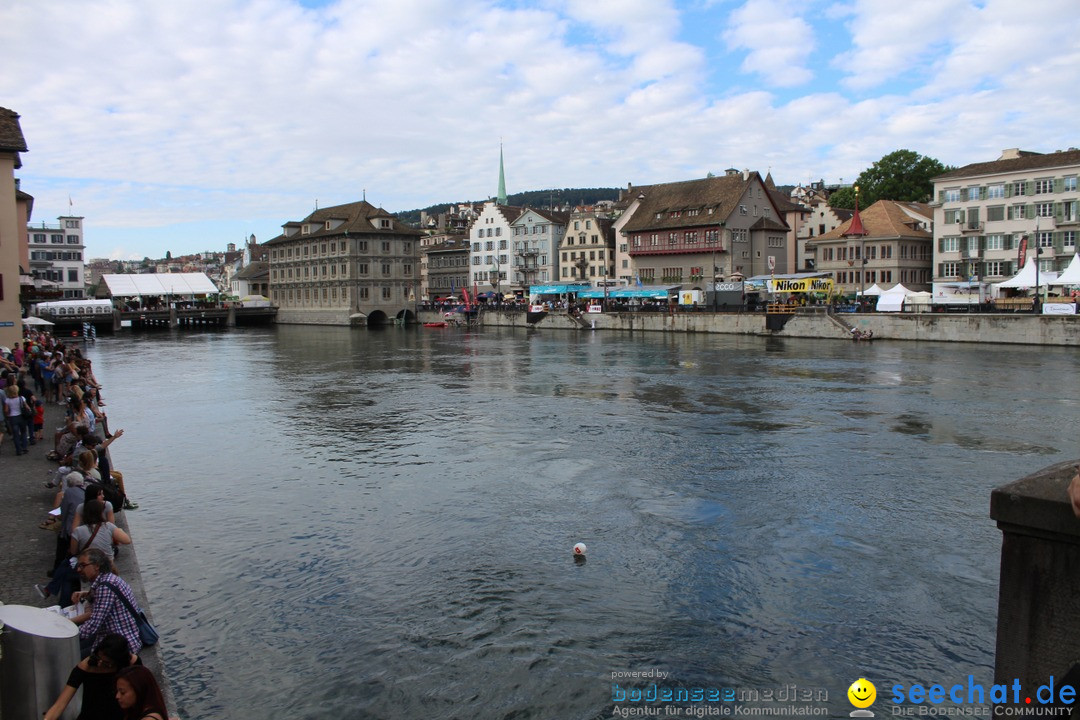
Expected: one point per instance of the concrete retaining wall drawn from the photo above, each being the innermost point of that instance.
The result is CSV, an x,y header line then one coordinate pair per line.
x,y
975,328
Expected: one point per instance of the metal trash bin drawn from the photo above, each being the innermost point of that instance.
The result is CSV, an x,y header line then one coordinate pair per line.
x,y
38,649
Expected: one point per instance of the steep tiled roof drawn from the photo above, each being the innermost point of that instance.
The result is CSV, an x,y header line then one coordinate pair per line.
x,y
254,270
1027,161
356,218
720,193
558,218
888,219
11,137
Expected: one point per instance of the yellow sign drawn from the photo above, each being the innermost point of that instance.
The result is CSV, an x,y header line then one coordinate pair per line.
x,y
801,285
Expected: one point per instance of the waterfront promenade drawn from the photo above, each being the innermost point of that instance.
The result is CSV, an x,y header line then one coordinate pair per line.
x,y
27,550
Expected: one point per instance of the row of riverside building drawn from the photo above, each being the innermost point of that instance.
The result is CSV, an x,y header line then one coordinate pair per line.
x,y
359,261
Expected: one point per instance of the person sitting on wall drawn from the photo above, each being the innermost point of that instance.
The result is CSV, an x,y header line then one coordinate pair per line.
x,y
107,613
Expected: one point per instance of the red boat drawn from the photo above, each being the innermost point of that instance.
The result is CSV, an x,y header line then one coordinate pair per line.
x,y
435,324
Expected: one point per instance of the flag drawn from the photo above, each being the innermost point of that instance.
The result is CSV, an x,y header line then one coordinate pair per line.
x,y
69,203
1023,251
637,280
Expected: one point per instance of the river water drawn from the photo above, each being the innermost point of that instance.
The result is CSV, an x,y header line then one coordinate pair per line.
x,y
347,523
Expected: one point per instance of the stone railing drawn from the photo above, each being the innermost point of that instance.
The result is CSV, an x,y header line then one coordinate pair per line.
x,y
1038,625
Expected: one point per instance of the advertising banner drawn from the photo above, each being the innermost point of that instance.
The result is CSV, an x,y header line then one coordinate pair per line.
x,y
801,285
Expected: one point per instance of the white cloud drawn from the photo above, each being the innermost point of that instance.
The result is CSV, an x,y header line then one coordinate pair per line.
x,y
778,42
891,39
183,122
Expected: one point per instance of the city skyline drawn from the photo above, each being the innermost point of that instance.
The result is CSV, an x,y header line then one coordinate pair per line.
x,y
187,126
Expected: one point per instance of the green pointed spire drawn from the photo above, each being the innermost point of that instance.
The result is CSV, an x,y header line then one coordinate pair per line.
x,y
502,179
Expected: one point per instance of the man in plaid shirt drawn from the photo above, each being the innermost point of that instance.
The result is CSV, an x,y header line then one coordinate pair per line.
x,y
107,612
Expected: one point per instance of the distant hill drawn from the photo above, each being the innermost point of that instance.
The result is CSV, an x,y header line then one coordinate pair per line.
x,y
539,199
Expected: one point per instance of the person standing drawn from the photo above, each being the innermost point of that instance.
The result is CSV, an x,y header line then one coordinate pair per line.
x,y
14,405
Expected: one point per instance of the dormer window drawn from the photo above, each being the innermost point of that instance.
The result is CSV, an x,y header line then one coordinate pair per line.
x,y
306,230
327,224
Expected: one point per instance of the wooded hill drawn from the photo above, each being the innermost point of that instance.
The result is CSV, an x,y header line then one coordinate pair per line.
x,y
539,199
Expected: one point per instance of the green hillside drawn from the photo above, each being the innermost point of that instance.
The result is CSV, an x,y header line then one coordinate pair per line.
x,y
540,199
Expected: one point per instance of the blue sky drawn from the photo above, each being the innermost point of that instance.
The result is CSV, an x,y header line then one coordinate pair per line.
x,y
187,125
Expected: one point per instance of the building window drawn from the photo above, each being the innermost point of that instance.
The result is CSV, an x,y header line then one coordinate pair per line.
x,y
952,195
995,242
949,244
995,268
73,275
1019,188
386,246
1044,209
1068,239
56,239
71,223
73,239
1046,239
994,192
1016,212
1069,184
1044,186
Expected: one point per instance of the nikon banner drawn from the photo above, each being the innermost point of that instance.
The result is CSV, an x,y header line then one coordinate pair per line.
x,y
800,285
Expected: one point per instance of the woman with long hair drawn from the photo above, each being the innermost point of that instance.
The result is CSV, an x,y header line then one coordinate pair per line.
x,y
96,531
96,674
138,695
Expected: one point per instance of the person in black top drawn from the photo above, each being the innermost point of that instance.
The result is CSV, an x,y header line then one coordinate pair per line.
x,y
97,676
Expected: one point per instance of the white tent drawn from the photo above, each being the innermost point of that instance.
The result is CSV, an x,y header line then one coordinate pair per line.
x,y
1071,276
36,321
182,284
892,300
873,290
1027,276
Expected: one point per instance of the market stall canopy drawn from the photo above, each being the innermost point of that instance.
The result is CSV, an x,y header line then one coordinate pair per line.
x,y
36,321
1071,276
873,290
892,300
130,285
663,291
557,289
1028,277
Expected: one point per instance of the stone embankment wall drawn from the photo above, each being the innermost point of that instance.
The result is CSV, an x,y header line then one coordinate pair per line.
x,y
976,327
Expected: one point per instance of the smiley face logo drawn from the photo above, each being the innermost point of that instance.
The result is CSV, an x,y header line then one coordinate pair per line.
x,y
862,693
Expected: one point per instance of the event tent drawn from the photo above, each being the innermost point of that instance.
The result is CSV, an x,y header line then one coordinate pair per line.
x,y
1027,277
873,290
1071,275
892,300
181,284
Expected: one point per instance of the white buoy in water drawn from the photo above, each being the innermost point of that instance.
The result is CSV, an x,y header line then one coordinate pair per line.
x,y
580,549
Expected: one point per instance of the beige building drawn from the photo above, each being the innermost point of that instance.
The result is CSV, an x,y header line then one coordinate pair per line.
x,y
11,144
885,244
587,250
983,212
342,265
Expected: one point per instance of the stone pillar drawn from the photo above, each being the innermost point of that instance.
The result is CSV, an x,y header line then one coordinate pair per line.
x,y
1038,625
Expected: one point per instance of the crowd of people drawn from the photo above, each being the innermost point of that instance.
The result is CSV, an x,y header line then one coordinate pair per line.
x,y
82,576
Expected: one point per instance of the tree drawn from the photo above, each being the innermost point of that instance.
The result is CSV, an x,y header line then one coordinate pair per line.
x,y
168,255
902,175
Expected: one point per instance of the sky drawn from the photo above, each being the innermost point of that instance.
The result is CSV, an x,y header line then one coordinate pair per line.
x,y
186,125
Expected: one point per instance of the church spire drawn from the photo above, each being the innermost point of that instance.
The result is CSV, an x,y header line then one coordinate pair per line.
x,y
502,179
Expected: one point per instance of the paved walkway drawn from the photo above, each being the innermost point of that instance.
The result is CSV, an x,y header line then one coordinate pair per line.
x,y
26,551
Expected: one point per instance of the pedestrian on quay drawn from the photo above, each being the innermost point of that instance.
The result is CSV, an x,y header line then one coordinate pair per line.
x,y
139,696
14,407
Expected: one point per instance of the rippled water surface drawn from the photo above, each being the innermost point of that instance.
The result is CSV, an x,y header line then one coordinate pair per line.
x,y
347,523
